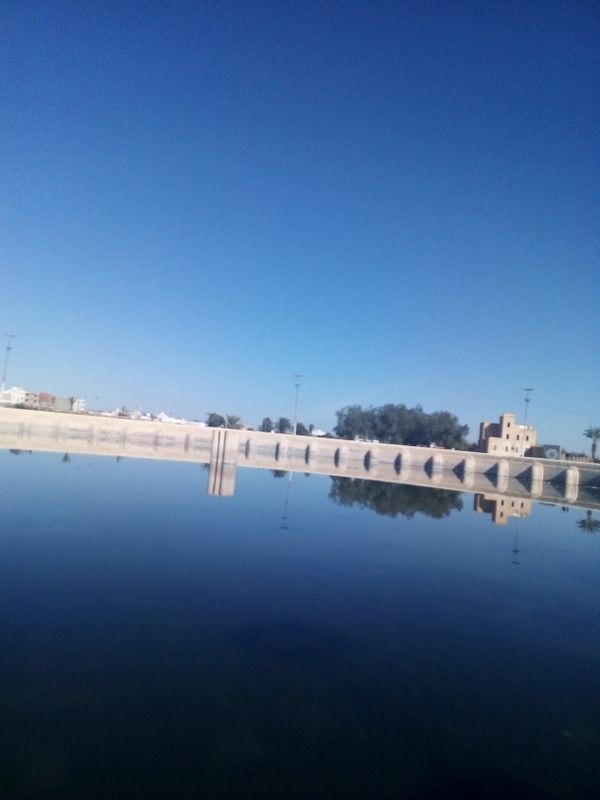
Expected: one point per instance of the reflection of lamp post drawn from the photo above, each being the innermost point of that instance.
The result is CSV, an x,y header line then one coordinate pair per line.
x,y
297,385
284,518
10,337
515,548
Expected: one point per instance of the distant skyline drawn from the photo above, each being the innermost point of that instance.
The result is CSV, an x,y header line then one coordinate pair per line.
x,y
398,201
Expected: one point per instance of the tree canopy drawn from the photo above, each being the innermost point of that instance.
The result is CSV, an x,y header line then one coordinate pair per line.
x,y
397,424
214,420
283,425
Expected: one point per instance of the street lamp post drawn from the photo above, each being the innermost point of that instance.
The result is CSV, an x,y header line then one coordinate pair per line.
x,y
297,385
527,390
10,337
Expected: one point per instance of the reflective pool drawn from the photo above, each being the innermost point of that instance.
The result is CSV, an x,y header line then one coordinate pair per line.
x,y
305,638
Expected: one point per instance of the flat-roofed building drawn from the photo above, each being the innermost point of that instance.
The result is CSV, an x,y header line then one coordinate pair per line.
x,y
14,396
506,436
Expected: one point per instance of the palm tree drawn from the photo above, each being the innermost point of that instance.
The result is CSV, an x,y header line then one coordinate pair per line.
x,y
593,434
233,421
588,524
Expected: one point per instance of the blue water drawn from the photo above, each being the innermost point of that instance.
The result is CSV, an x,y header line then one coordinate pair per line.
x,y
158,642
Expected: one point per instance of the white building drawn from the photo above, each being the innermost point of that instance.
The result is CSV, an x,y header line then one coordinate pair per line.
x,y
14,396
17,396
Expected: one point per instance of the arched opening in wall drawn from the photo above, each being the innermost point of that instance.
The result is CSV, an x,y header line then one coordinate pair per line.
x,y
247,448
367,460
336,457
277,451
398,464
307,454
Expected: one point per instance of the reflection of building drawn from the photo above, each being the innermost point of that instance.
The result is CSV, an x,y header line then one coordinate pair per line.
x,y
506,436
501,507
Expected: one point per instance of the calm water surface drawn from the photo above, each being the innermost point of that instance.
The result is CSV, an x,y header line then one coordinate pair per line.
x,y
161,643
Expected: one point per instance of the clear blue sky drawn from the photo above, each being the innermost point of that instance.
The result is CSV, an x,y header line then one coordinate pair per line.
x,y
397,200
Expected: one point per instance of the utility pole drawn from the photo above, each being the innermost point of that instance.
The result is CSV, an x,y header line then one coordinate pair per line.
x,y
10,337
527,390
297,385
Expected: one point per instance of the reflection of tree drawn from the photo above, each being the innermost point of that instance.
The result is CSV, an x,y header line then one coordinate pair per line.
x,y
66,458
278,473
391,499
588,523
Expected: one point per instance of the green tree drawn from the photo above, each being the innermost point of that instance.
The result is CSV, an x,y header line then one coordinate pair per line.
x,y
444,430
233,421
593,434
266,425
354,422
301,429
214,420
284,425
397,424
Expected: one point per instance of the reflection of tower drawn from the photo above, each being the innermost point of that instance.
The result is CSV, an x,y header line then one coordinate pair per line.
x,y
284,518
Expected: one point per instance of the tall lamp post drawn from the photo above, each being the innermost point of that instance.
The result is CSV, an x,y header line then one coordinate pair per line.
x,y
527,390
10,337
297,385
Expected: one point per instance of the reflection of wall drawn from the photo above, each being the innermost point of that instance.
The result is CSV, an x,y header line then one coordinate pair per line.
x,y
506,437
454,470
501,507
